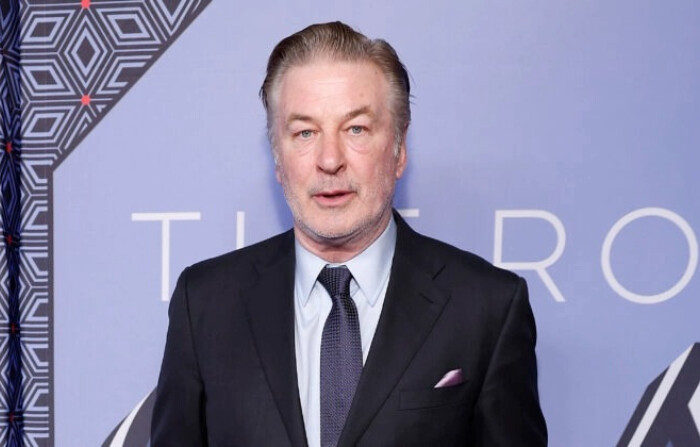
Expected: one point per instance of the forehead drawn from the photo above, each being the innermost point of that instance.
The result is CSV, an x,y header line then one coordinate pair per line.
x,y
326,85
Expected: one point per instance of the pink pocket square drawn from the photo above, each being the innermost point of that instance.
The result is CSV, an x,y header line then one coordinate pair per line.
x,y
452,378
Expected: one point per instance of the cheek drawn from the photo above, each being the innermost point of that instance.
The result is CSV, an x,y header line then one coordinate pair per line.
x,y
383,179
292,173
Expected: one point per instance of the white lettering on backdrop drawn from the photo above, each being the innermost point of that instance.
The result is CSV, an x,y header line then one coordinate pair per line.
x,y
165,219
538,266
541,266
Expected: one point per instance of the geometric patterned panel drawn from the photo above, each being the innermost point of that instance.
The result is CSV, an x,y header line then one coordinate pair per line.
x,y
12,417
668,414
78,59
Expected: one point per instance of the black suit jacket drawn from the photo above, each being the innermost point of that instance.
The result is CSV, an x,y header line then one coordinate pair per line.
x,y
229,378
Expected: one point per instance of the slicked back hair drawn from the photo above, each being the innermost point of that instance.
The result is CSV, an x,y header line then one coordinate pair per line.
x,y
338,41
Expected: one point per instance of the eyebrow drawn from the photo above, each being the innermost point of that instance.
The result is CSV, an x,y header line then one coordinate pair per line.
x,y
298,117
364,110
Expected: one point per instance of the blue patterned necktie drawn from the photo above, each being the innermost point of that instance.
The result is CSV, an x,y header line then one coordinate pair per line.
x,y
341,354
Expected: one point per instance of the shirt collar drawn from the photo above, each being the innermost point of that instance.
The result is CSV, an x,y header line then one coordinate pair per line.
x,y
369,269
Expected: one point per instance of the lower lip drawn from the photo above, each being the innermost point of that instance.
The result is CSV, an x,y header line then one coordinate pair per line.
x,y
333,201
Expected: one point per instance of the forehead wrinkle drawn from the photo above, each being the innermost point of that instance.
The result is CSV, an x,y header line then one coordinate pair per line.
x,y
279,92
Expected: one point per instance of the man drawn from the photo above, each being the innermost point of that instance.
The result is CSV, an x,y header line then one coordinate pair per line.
x,y
351,329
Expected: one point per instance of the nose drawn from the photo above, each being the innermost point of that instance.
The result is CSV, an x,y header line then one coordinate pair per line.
x,y
331,155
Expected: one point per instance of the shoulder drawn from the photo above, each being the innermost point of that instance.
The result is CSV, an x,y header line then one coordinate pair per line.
x,y
454,268
241,265
472,285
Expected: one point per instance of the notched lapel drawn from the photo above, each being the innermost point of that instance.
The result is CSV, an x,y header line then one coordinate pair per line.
x,y
270,307
412,306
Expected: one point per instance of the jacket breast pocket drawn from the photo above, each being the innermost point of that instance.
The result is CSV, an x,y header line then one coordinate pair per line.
x,y
434,397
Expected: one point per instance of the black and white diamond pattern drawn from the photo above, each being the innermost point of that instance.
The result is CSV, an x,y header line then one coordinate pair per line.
x,y
85,52
46,77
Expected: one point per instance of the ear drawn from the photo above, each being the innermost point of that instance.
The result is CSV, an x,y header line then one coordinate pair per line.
x,y
276,161
401,157
278,171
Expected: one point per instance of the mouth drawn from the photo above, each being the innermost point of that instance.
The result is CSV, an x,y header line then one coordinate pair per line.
x,y
333,197
331,194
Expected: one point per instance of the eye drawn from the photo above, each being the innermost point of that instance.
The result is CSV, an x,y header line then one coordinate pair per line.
x,y
356,130
305,134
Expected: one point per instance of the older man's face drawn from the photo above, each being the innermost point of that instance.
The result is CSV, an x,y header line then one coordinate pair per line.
x,y
336,152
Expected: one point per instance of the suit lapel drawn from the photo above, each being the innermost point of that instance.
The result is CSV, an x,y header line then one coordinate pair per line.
x,y
412,305
270,307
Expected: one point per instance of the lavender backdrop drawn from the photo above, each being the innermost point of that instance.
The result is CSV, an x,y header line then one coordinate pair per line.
x,y
582,111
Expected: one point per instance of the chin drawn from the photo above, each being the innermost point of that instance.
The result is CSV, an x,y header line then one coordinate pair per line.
x,y
338,228
332,233
342,229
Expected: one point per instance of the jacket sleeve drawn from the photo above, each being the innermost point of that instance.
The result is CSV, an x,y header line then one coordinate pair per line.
x,y
508,410
178,413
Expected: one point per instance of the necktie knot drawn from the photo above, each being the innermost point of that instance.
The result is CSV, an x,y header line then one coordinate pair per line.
x,y
336,280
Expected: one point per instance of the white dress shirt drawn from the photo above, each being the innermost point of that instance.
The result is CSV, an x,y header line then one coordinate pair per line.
x,y
312,305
